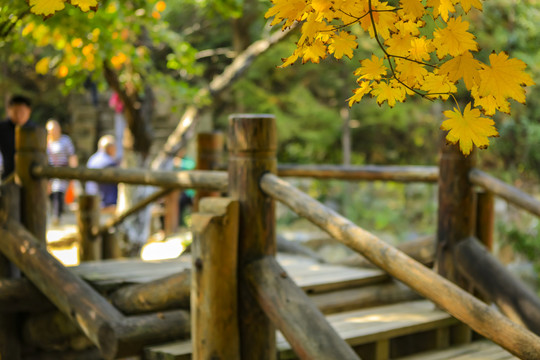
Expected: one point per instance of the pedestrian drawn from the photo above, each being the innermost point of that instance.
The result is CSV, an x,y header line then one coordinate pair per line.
x,y
19,110
104,157
60,152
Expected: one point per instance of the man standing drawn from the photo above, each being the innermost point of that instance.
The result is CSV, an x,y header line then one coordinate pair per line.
x,y
18,111
105,157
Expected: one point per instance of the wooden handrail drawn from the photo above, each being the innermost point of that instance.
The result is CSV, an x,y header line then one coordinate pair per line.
x,y
293,313
515,299
465,307
428,174
507,192
193,179
397,173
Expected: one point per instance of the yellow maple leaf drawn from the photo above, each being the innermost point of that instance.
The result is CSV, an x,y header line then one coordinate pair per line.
x,y
463,66
371,69
468,128
363,89
85,5
291,59
413,9
388,92
504,78
438,86
441,8
467,4
347,11
409,27
314,52
46,7
410,72
288,10
342,45
454,39
384,18
399,44
314,29
420,49
323,8
490,104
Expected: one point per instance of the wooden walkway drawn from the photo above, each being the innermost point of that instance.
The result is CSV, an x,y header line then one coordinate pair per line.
x,y
312,276
376,332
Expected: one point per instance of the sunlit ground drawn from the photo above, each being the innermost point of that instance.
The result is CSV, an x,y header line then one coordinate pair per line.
x,y
66,249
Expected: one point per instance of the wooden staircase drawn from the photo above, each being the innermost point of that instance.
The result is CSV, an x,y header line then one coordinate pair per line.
x,y
380,318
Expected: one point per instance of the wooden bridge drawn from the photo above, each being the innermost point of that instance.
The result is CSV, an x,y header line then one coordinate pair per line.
x,y
232,298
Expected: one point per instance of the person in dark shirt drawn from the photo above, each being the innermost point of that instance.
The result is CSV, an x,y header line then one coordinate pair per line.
x,y
18,114
105,157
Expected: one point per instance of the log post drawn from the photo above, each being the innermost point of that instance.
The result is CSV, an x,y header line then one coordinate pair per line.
x,y
252,153
88,223
209,156
31,150
10,347
111,240
171,212
456,214
485,218
214,291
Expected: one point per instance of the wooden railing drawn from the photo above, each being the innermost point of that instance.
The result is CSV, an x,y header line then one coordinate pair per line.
x,y
244,274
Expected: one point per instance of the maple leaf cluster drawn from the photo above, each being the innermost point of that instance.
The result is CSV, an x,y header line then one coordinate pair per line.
x,y
49,7
411,62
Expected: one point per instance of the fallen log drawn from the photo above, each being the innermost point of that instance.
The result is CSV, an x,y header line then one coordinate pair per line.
x,y
55,331
20,295
136,332
163,294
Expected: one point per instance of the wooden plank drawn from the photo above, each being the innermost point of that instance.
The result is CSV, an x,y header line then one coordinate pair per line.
x,y
478,350
310,275
358,327
369,325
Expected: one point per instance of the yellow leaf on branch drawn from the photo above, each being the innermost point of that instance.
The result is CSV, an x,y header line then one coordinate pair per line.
x,y
85,5
504,78
468,128
463,66
390,92
371,69
454,39
46,7
342,45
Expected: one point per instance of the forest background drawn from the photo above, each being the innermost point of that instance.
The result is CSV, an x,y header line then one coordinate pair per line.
x,y
171,51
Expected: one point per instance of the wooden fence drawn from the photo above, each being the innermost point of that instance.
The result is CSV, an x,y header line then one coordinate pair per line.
x,y
240,279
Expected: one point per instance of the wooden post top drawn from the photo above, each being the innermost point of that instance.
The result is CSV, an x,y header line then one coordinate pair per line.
x,y
252,133
32,138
